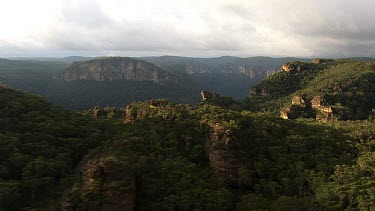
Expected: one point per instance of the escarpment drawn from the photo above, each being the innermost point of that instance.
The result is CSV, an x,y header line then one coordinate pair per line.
x,y
117,68
243,70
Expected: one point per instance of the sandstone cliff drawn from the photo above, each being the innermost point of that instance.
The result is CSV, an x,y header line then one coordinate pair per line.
x,y
226,69
222,151
117,68
308,108
104,183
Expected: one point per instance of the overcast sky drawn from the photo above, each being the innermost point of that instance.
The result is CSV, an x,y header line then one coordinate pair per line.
x,y
303,28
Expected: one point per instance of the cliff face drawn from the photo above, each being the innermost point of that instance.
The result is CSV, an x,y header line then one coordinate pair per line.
x,y
105,183
237,69
197,69
222,152
117,68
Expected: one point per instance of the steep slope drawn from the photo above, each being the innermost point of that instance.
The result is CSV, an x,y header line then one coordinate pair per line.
x,y
117,68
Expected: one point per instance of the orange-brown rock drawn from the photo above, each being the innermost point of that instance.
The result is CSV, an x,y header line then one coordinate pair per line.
x,y
319,61
291,68
317,101
298,100
292,112
324,113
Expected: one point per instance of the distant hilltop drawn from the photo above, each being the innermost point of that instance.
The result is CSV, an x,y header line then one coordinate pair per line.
x,y
117,68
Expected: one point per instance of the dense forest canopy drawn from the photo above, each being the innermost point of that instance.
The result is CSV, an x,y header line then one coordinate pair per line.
x,y
220,154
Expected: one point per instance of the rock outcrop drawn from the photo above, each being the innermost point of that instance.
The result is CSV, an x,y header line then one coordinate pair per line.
x,y
292,68
151,108
105,183
298,100
270,72
117,68
222,151
291,112
323,113
254,91
319,61
206,95
317,101
303,108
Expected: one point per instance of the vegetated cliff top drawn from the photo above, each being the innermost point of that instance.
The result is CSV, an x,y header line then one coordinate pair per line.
x,y
117,68
326,76
343,83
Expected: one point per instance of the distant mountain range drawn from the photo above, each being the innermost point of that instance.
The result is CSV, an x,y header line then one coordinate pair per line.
x,y
117,81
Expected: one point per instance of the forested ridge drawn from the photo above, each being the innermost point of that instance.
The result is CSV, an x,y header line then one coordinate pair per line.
x,y
221,154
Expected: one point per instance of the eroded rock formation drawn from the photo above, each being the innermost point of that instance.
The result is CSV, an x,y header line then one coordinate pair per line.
x,y
222,152
137,111
105,183
323,113
302,108
292,68
298,100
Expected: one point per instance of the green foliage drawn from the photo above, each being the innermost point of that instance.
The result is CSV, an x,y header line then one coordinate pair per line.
x,y
280,164
40,145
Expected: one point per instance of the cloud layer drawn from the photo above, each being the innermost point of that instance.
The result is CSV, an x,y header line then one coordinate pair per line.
x,y
309,28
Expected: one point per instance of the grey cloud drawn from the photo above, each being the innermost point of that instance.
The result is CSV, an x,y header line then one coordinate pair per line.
x,y
332,28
